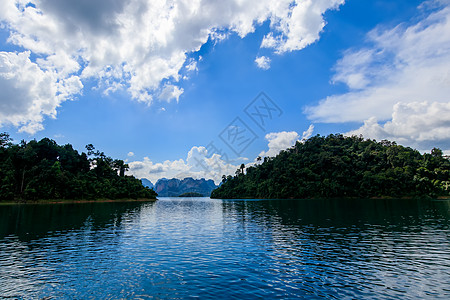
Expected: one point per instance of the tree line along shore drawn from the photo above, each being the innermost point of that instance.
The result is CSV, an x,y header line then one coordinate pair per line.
x,y
336,166
43,170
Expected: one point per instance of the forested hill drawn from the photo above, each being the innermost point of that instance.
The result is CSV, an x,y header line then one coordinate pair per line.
x,y
337,166
45,170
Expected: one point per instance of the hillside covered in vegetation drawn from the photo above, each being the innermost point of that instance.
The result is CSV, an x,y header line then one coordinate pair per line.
x,y
45,170
337,166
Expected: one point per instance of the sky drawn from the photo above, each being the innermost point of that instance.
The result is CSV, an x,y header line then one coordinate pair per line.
x,y
196,88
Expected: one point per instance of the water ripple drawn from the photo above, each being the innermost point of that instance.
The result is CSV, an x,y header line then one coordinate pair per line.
x,y
176,249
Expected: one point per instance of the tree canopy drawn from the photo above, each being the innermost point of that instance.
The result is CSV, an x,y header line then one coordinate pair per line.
x,y
337,166
40,170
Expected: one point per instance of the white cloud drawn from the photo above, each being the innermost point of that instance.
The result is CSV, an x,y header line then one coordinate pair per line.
x,y
28,93
298,26
401,80
405,64
308,132
201,164
279,141
263,62
192,66
170,92
139,45
198,164
130,154
421,125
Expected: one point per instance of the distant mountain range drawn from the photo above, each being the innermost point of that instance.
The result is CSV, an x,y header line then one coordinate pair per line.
x,y
175,187
147,183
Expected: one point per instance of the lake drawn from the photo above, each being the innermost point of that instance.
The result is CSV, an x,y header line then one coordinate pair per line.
x,y
199,247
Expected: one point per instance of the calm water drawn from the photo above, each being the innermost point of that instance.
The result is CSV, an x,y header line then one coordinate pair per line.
x,y
183,248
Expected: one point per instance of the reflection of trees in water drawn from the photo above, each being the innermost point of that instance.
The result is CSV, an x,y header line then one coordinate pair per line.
x,y
54,239
394,214
28,222
355,248
333,242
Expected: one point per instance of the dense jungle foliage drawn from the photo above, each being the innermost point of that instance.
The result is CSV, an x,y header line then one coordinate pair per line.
x,y
337,166
45,170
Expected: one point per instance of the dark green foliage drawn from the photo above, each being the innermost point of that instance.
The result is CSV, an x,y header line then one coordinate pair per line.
x,y
337,166
44,170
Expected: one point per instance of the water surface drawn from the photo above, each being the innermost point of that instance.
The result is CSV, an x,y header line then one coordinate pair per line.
x,y
199,247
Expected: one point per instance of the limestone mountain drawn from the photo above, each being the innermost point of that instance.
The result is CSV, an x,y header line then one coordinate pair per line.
x,y
147,183
175,187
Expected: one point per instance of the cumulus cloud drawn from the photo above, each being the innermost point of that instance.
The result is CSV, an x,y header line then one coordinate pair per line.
x,y
138,45
198,164
402,80
201,164
29,93
279,141
422,125
263,62
308,132
170,92
299,26
192,66
405,64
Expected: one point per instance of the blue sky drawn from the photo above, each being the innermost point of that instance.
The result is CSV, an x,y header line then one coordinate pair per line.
x,y
155,82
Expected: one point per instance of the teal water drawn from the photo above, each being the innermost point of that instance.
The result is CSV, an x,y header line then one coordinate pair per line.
x,y
200,247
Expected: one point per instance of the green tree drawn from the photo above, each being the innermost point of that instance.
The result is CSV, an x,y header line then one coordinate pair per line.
x,y
338,166
45,170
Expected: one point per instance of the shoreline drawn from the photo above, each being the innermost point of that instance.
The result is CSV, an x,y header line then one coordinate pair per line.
x,y
71,201
345,198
